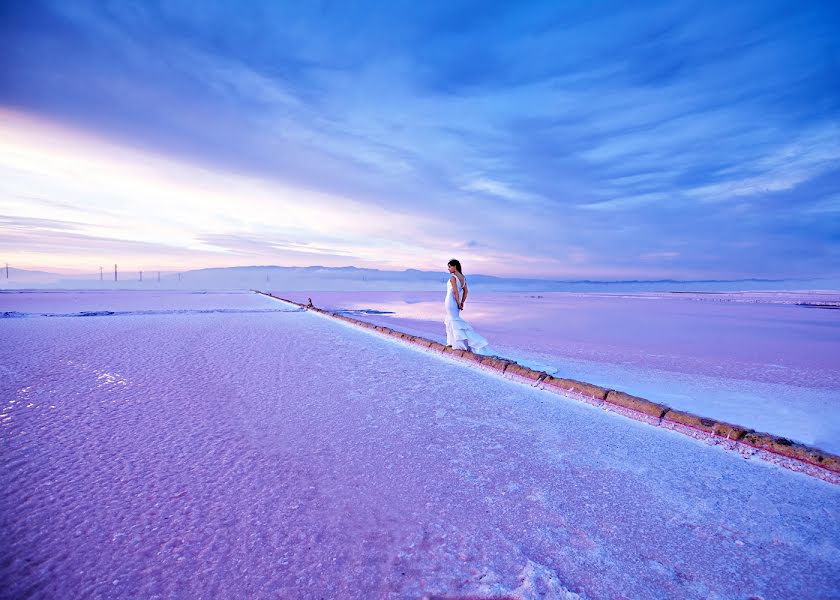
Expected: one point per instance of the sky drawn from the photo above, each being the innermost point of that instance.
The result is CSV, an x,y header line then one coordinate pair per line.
x,y
599,140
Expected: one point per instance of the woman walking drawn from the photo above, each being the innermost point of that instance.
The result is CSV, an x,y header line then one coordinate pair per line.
x,y
459,334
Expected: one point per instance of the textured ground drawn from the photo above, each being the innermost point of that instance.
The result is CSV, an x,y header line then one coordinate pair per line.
x,y
282,454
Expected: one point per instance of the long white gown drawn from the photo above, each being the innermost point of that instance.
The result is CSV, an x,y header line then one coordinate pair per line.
x,y
460,334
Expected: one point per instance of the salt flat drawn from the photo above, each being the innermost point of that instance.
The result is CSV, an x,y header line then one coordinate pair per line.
x,y
757,359
72,301
282,454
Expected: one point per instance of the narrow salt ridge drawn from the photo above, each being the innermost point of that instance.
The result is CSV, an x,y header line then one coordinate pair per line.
x,y
277,454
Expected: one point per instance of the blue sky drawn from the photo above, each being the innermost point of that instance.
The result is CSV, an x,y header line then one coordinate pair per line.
x,y
555,139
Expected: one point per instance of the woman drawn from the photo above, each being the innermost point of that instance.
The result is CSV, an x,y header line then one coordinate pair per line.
x,y
459,334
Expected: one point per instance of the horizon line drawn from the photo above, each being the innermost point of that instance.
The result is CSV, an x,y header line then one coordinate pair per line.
x,y
79,276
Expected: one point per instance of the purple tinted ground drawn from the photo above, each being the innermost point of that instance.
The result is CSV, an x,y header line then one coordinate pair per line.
x,y
65,301
776,342
289,455
757,359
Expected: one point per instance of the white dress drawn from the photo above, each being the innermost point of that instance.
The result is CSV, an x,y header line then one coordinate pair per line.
x,y
460,334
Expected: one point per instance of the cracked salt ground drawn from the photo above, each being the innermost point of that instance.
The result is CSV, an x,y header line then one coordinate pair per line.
x,y
287,455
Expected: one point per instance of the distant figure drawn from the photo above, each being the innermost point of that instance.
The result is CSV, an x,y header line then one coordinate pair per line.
x,y
309,304
459,334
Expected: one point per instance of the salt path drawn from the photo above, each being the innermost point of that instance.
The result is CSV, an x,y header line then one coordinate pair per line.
x,y
285,455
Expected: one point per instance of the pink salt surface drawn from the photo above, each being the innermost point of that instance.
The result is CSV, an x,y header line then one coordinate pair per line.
x,y
288,455
59,301
758,359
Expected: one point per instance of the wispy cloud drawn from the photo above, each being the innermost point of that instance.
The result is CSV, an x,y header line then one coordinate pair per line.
x,y
627,202
497,188
257,246
783,168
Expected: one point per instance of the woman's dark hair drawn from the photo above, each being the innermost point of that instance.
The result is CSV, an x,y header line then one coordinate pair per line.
x,y
455,263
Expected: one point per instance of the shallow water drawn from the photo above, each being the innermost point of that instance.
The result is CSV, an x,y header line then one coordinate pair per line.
x,y
758,359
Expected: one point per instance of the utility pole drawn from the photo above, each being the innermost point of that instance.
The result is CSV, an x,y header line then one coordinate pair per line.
x,y
141,275
100,273
7,270
179,278
115,272
158,276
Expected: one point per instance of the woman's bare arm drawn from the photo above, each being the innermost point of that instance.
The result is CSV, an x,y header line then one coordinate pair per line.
x,y
464,299
453,281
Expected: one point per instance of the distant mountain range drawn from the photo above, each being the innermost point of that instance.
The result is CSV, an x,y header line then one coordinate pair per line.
x,y
25,276
319,278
